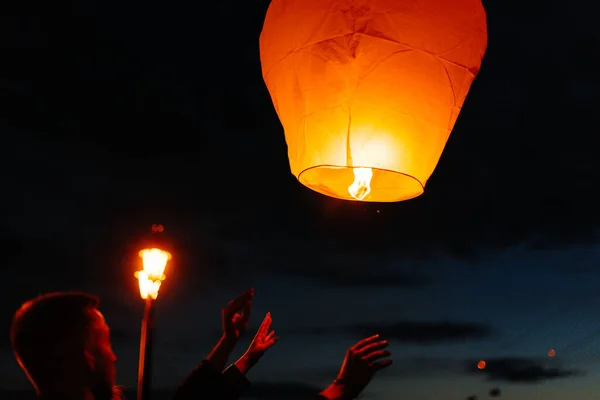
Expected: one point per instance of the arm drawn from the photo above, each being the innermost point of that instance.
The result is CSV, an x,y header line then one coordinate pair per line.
x,y
235,381
243,364
235,317
263,340
362,361
221,352
333,392
235,375
208,381
205,382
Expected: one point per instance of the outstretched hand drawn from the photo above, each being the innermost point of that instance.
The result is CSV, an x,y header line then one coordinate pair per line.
x,y
362,361
262,341
236,314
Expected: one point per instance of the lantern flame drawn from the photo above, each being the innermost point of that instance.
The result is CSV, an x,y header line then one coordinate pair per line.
x,y
361,187
150,278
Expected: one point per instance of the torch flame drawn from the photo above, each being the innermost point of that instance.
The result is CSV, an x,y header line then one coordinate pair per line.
x,y
150,278
361,186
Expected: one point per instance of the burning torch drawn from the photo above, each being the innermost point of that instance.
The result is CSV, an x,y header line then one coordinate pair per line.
x,y
154,262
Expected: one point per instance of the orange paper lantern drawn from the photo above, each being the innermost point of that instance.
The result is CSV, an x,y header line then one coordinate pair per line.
x,y
368,91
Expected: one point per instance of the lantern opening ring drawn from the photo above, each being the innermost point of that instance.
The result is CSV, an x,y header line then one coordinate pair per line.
x,y
333,180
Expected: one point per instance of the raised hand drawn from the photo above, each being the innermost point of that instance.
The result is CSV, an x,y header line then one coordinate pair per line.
x,y
261,343
236,314
262,340
362,361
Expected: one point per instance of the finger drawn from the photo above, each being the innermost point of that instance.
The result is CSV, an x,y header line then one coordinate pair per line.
x,y
263,328
269,336
241,300
245,311
372,347
247,308
272,341
372,357
267,319
265,325
379,365
362,343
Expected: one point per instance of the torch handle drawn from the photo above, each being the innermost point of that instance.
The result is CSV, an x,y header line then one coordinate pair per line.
x,y
145,361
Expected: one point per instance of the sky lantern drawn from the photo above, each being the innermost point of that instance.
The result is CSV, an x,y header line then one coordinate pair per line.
x,y
368,91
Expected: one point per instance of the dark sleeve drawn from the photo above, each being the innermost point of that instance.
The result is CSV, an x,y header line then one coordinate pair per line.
x,y
235,382
207,383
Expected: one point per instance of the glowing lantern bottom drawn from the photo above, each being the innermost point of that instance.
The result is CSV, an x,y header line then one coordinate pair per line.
x,y
379,156
339,182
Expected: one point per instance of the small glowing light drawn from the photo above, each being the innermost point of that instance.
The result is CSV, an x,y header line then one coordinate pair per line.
x,y
361,187
150,278
157,228
481,364
551,353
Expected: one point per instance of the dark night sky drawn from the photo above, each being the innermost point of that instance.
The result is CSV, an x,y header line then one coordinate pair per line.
x,y
116,115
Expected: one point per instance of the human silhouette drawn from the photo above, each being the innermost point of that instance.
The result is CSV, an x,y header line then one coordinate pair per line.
x,y
62,342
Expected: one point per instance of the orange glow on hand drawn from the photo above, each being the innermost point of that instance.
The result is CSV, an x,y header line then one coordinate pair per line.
x,y
150,278
481,364
361,187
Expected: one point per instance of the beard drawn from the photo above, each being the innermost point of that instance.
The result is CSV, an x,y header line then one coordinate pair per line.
x,y
105,387
107,391
117,393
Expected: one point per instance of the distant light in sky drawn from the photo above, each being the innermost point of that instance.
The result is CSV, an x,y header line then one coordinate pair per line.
x,y
551,353
481,364
157,228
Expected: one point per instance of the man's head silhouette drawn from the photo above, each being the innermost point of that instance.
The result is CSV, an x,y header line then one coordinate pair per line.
x,y
62,343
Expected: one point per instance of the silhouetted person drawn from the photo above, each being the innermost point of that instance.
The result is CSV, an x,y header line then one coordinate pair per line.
x,y
361,363
62,342
207,381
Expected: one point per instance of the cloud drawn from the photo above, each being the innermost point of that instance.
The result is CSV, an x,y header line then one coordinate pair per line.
x,y
424,367
328,264
410,368
519,370
416,332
